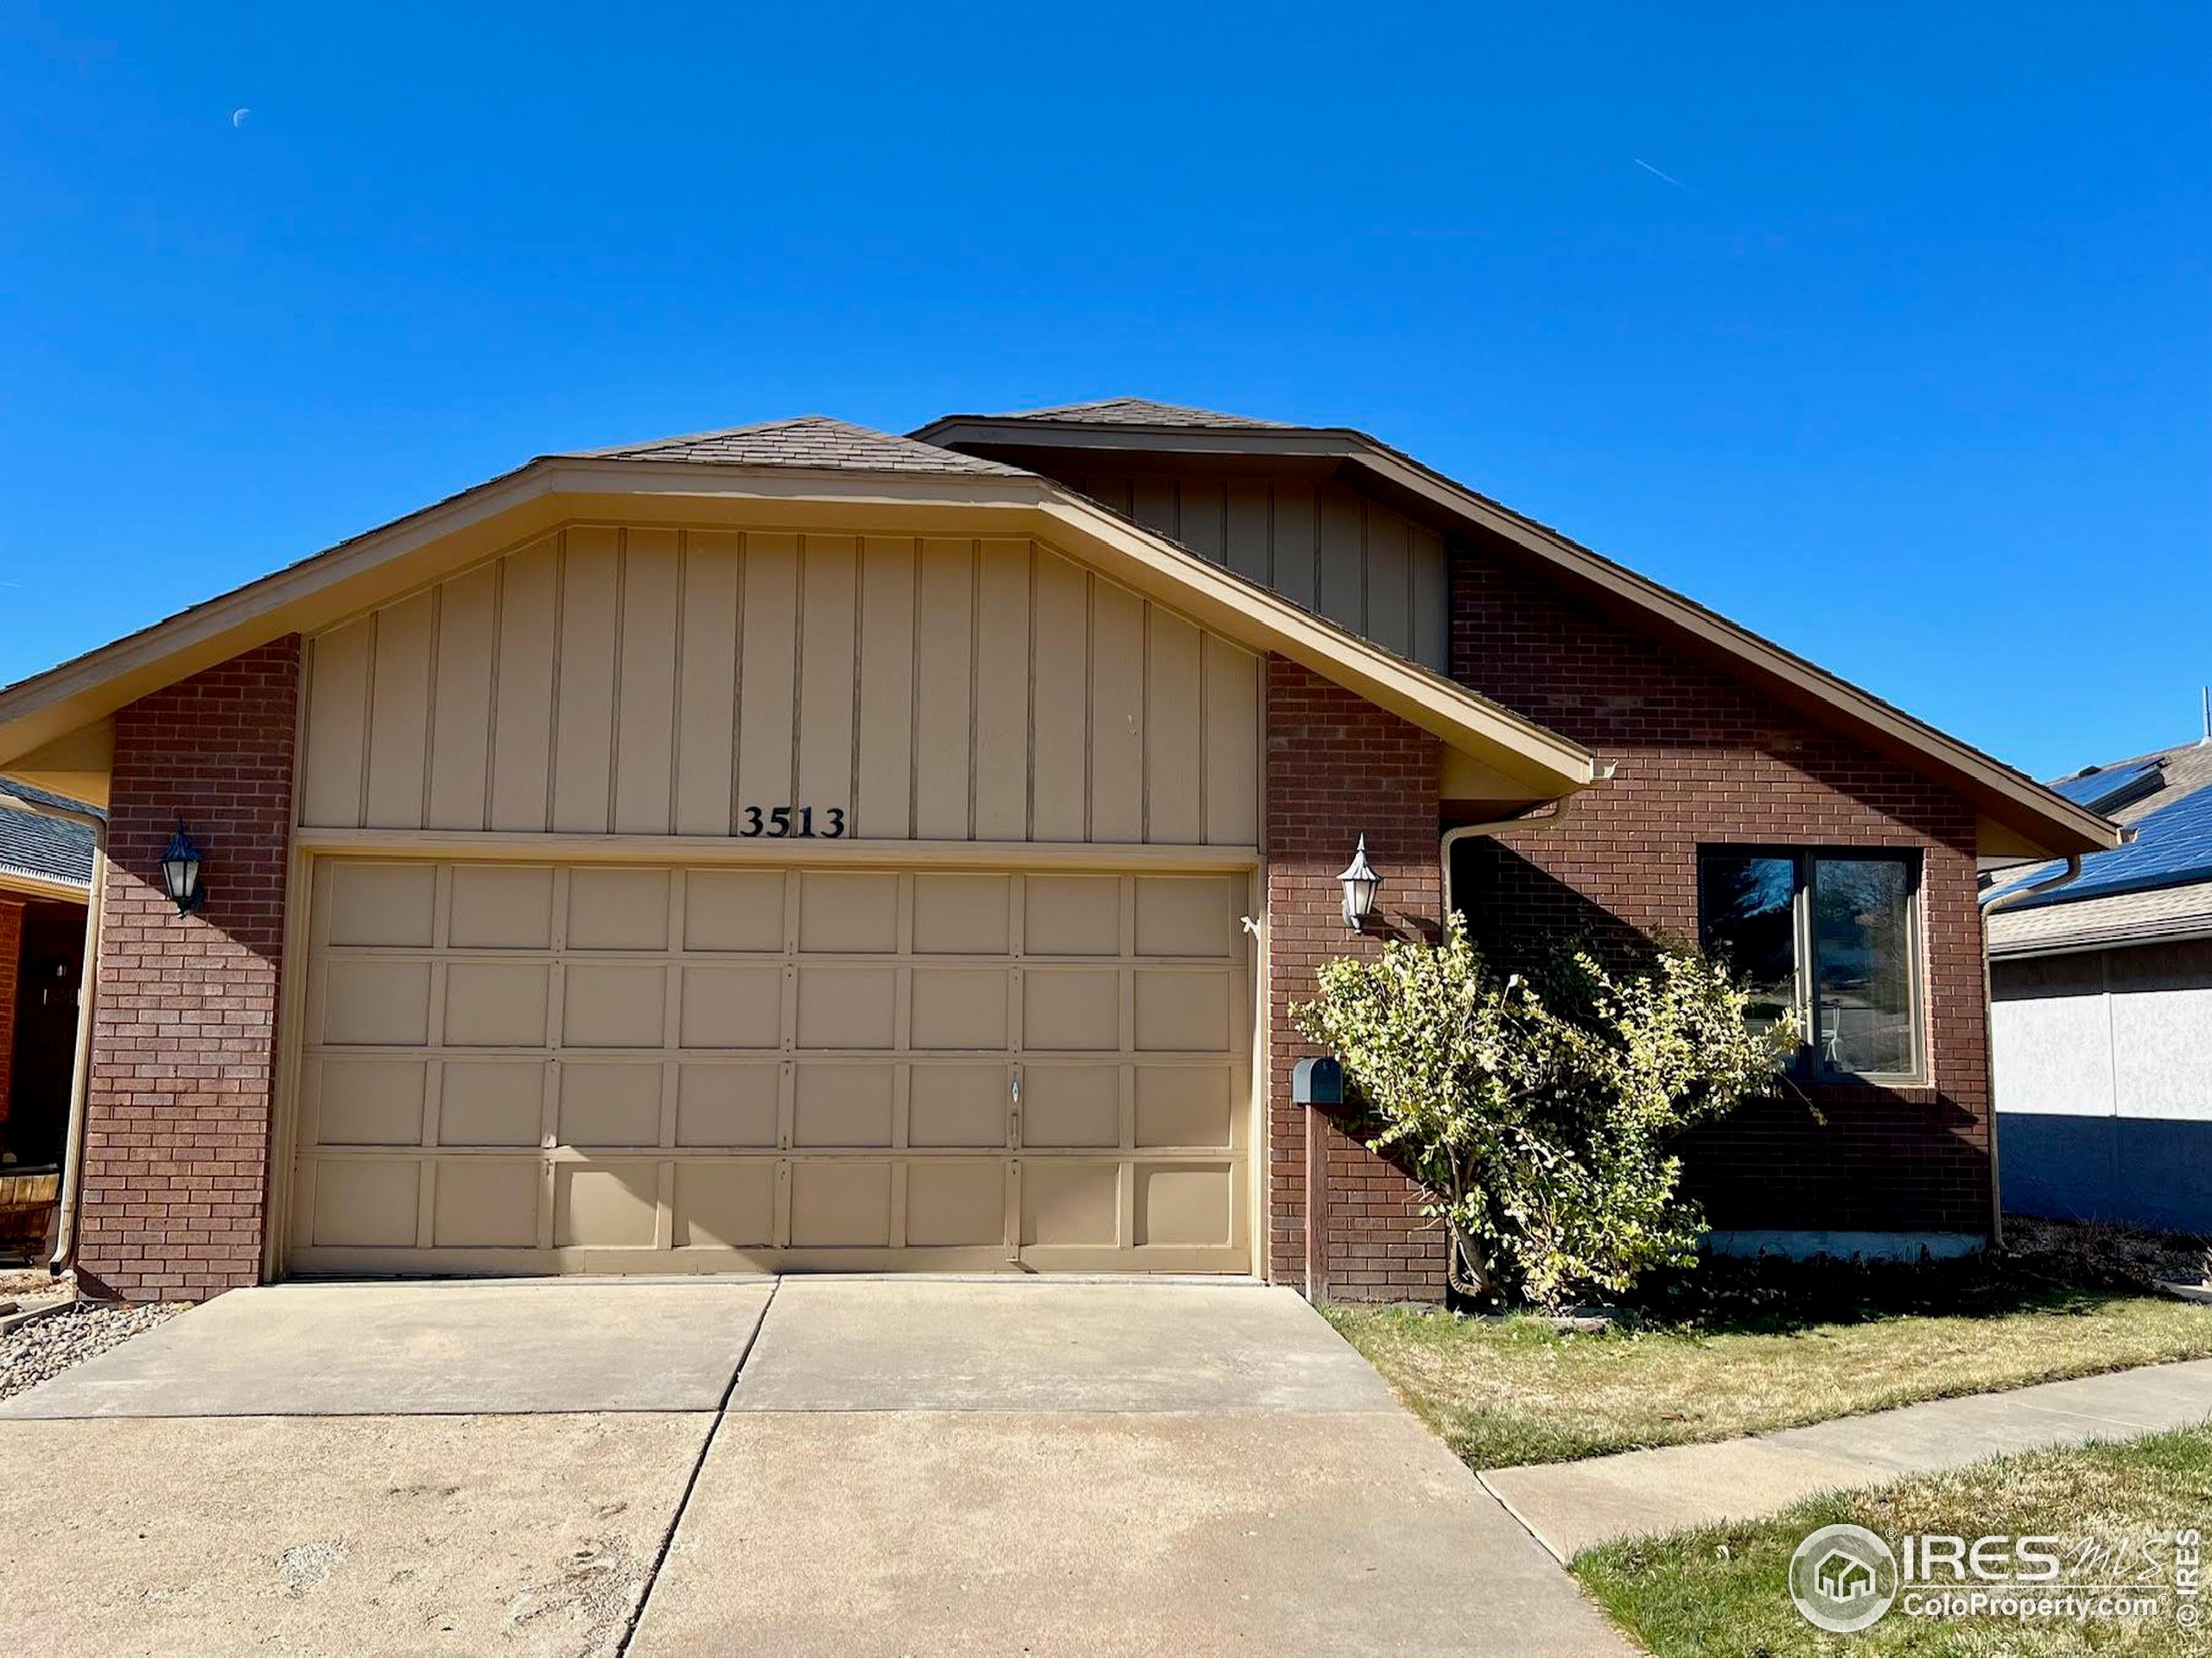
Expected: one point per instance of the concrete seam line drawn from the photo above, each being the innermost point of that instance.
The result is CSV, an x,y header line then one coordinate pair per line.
x,y
691,1482
1506,1503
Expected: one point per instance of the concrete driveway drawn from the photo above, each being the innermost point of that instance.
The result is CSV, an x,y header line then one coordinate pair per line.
x,y
818,1465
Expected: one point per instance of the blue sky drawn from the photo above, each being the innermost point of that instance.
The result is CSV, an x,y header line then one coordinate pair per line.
x,y
1883,330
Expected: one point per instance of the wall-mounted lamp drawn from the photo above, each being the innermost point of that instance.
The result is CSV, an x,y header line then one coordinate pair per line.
x,y
1360,883
181,872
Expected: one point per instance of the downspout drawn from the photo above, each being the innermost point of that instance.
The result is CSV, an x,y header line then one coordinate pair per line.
x,y
1989,1037
81,1065
1529,820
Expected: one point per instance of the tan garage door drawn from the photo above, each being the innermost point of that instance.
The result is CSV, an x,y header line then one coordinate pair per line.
x,y
610,1068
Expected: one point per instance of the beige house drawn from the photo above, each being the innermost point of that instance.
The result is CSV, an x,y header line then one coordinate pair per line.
x,y
801,847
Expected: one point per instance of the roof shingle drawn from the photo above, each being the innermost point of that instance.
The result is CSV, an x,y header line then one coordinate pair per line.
x,y
49,849
1137,411
814,441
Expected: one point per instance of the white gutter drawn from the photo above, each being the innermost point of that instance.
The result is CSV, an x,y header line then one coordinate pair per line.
x,y
2072,871
1529,820
80,1070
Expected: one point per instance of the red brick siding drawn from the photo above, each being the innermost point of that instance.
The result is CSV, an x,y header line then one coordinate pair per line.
x,y
184,1041
1338,768
1703,758
11,959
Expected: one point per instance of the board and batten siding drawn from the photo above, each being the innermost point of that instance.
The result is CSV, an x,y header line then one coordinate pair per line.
x,y
1319,546
652,681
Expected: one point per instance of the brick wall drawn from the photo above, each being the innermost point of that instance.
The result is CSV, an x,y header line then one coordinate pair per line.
x,y
11,962
1703,758
176,1153
1338,768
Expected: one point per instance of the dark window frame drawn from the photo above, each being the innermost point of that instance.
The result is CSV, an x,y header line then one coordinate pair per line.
x,y
1809,1063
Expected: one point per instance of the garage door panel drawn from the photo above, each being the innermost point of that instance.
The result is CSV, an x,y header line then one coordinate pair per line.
x,y
382,905
365,1204
1185,1012
366,1001
853,914
496,1004
842,1105
732,1007
1184,1204
1071,1105
1072,915
962,915
1184,1105
1070,1203
1186,915
607,1206
491,1102
842,1203
607,1005
610,1104
640,1068
726,1104
725,1207
958,1007
844,1007
950,1203
360,1100
487,1204
617,910
1066,1008
496,907
957,1105
734,910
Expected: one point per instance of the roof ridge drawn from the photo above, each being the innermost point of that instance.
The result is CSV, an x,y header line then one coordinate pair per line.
x,y
1130,409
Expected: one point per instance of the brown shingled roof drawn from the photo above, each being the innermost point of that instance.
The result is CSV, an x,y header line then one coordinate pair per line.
x,y
809,441
1136,411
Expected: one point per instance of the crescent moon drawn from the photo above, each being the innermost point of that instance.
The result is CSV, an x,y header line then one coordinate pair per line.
x,y
237,117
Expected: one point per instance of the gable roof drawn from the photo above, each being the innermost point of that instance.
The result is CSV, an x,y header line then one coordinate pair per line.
x,y
810,471
39,855
808,441
2022,818
1142,412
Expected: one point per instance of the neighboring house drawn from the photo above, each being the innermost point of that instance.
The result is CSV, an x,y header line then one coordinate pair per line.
x,y
797,847
46,874
2101,1008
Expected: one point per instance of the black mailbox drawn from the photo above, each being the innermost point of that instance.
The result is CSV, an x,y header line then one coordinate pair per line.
x,y
1318,1081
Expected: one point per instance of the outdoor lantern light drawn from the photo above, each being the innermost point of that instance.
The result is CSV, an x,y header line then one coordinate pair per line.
x,y
181,872
1360,882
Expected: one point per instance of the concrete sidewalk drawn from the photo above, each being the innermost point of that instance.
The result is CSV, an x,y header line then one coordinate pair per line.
x,y
1571,1506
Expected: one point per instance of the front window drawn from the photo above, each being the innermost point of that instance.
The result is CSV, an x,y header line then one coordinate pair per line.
x,y
1832,937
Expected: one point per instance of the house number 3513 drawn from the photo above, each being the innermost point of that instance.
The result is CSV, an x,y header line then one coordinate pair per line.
x,y
776,822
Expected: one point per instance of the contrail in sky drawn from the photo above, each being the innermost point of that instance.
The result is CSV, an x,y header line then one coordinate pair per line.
x,y
1656,174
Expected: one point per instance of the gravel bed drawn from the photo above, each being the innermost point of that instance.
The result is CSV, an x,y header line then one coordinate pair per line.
x,y
49,1346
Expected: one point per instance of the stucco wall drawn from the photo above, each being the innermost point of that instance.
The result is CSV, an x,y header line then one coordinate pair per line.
x,y
2104,1083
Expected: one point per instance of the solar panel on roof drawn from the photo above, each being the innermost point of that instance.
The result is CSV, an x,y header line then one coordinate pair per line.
x,y
2094,788
2171,846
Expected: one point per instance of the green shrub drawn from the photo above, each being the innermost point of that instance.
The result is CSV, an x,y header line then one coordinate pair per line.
x,y
1538,1123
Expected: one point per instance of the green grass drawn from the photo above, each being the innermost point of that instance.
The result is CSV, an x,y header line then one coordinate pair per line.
x,y
1724,1590
1756,1348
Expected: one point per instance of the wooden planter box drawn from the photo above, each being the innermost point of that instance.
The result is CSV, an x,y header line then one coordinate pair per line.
x,y
27,1200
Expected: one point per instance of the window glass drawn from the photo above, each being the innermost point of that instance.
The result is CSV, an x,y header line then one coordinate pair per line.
x,y
1862,964
1746,901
